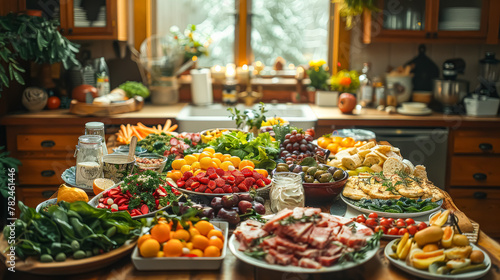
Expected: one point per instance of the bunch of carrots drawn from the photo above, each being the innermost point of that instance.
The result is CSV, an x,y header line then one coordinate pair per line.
x,y
124,135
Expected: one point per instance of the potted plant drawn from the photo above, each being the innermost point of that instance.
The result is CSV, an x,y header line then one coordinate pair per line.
x,y
347,83
35,39
318,74
350,9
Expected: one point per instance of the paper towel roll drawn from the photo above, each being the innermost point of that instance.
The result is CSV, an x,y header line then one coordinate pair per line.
x,y
201,87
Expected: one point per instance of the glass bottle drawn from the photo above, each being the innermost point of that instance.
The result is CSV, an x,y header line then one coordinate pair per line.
x,y
379,92
391,96
286,191
365,86
102,77
97,128
88,155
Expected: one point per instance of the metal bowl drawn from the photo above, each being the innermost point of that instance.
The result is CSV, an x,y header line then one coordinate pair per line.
x,y
449,92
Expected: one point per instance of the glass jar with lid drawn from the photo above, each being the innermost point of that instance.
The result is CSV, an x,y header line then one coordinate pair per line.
x,y
97,128
286,191
88,155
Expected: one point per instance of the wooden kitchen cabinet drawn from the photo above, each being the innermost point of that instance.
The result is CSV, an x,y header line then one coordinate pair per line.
x,y
79,21
432,21
473,180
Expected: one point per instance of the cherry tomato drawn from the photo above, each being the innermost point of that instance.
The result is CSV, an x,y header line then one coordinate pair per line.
x,y
380,228
391,220
373,215
410,221
393,231
422,225
402,231
371,222
385,223
412,229
400,224
400,220
53,102
360,219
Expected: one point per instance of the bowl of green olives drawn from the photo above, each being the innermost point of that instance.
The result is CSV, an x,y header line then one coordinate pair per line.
x,y
321,182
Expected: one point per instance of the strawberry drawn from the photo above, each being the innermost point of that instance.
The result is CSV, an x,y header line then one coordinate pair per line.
x,y
194,178
257,175
231,179
211,170
219,190
181,183
208,191
189,182
236,189
220,171
189,189
187,175
238,179
213,176
228,189
260,183
220,182
195,185
196,190
200,175
204,180
267,181
242,187
202,188
237,173
212,185
247,172
249,181
227,173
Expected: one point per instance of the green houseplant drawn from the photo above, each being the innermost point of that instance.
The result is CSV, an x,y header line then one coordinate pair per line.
x,y
350,9
31,38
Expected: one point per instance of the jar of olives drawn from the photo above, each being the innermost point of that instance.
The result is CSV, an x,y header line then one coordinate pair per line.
x,y
286,191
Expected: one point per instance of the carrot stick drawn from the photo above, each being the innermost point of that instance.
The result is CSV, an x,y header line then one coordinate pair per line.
x,y
159,129
122,127
172,128
137,133
168,123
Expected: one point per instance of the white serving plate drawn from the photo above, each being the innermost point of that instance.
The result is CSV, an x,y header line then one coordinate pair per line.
x,y
234,245
427,275
183,263
95,201
423,112
391,215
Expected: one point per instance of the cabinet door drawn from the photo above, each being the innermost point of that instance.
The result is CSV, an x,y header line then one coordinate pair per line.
x,y
50,9
403,18
87,19
461,18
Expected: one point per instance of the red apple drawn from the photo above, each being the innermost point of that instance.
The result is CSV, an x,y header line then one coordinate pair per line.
x,y
347,103
80,92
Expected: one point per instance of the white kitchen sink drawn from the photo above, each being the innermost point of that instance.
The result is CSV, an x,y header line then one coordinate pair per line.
x,y
197,118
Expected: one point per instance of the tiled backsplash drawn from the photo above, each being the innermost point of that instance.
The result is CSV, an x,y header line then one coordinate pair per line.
x,y
384,55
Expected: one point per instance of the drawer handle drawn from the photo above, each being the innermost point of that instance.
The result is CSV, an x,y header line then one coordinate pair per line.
x,y
48,173
48,194
480,195
48,144
479,176
485,147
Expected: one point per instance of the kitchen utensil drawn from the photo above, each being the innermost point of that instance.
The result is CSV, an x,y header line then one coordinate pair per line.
x,y
450,93
489,69
131,148
424,70
453,67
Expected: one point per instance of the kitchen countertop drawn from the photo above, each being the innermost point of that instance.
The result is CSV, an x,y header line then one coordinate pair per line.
x,y
327,116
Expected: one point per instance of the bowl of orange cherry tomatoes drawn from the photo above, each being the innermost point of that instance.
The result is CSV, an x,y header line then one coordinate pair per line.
x,y
343,139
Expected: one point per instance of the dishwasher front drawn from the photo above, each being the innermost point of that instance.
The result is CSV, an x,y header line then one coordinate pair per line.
x,y
425,146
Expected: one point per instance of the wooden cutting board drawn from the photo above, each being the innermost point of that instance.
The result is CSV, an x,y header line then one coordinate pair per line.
x,y
86,109
70,266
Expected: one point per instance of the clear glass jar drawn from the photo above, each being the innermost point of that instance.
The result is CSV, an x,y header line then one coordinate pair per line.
x,y
286,191
88,155
97,128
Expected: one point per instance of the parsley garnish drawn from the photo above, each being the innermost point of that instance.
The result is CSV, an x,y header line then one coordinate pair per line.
x,y
361,253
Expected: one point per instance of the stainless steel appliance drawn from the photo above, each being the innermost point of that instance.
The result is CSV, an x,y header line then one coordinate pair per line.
x,y
426,146
489,70
449,91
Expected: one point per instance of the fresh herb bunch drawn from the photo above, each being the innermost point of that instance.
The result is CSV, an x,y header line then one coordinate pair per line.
x,y
250,118
356,256
7,163
31,38
402,205
55,231
142,186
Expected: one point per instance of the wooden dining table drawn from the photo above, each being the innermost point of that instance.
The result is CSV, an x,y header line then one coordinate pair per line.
x,y
378,267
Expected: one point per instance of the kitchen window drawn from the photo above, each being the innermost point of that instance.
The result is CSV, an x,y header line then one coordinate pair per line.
x,y
245,31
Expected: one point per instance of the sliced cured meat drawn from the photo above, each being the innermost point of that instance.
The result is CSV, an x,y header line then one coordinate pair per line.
x,y
288,243
329,261
272,223
309,253
269,242
305,236
366,231
356,241
332,250
295,231
282,259
284,250
248,231
319,237
270,259
309,263
312,211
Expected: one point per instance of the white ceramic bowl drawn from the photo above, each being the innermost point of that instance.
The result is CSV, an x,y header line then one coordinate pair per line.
x,y
414,106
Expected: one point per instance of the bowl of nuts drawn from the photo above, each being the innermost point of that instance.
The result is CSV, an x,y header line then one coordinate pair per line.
x,y
150,161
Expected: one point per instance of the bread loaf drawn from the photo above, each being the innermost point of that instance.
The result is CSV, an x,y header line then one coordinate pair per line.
x,y
392,165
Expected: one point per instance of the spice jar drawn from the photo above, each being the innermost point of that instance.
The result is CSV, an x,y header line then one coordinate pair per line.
x,y
88,155
286,191
97,128
391,96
